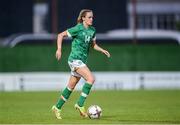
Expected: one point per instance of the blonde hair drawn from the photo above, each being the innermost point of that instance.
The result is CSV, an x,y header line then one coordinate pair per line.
x,y
82,14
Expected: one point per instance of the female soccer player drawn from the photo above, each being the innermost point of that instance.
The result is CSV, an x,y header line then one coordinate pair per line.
x,y
83,36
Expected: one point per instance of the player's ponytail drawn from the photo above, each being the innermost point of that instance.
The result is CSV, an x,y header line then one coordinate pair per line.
x,y
82,14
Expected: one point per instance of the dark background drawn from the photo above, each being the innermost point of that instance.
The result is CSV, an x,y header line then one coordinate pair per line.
x,y
108,14
16,16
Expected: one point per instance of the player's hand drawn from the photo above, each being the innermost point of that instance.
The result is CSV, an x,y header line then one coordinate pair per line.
x,y
58,54
106,53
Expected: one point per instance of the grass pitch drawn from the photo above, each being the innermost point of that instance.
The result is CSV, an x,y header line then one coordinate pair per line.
x,y
140,107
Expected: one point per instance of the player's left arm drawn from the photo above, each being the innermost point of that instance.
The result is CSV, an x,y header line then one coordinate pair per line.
x,y
98,48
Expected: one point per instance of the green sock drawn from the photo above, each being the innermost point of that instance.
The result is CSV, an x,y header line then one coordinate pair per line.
x,y
64,97
85,92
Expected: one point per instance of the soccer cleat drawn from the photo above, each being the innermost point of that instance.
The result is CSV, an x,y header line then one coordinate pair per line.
x,y
81,110
57,112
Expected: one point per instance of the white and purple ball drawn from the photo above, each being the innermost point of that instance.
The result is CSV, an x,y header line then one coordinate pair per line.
x,y
94,112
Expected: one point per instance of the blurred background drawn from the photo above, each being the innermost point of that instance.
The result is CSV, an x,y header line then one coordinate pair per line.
x,y
142,36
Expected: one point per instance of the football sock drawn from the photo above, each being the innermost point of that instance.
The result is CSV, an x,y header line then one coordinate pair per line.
x,y
64,97
85,92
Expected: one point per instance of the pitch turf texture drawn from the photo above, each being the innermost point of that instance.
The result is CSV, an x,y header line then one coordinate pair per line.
x,y
152,106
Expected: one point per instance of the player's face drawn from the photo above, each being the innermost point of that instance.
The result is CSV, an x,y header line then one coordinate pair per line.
x,y
88,19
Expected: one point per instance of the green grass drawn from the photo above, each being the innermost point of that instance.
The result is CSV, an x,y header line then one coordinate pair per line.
x,y
153,106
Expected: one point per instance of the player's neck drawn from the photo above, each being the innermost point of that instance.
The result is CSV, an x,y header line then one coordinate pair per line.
x,y
85,25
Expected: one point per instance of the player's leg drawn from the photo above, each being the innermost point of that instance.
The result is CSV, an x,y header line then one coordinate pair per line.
x,y
67,91
65,95
88,76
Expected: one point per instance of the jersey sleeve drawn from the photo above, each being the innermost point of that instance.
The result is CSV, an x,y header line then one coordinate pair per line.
x,y
71,32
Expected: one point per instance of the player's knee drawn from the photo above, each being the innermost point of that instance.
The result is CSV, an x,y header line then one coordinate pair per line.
x,y
71,85
91,79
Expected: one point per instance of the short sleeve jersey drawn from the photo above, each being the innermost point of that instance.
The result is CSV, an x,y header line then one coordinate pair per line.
x,y
81,40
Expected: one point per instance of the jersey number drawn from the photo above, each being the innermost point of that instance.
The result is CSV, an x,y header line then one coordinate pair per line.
x,y
87,39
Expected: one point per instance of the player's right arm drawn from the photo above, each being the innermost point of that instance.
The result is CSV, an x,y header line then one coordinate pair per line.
x,y
71,32
59,44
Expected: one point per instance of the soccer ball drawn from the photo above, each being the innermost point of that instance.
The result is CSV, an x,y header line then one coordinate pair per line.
x,y
94,112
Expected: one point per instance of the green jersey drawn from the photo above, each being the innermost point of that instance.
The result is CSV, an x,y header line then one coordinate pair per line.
x,y
82,39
